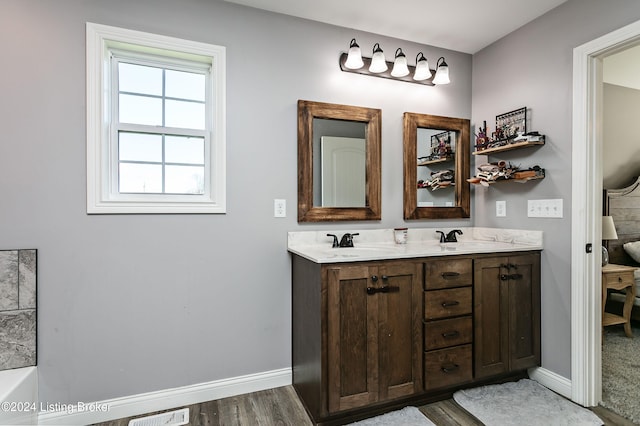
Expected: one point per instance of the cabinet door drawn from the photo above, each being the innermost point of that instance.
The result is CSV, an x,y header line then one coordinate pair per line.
x,y
400,322
507,314
524,311
491,316
352,338
374,336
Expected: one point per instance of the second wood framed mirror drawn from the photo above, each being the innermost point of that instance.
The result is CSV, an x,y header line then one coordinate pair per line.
x,y
436,167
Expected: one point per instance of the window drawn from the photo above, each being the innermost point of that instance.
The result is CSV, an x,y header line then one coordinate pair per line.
x,y
155,123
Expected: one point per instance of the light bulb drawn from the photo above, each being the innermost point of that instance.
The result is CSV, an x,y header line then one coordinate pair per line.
x,y
400,68
378,62
354,58
422,68
442,73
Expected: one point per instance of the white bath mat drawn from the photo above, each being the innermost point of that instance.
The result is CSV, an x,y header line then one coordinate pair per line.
x,y
523,402
408,416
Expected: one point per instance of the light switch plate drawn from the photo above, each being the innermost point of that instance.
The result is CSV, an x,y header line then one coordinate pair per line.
x,y
501,208
545,208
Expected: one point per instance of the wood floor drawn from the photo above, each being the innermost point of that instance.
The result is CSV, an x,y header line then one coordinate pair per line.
x,y
281,407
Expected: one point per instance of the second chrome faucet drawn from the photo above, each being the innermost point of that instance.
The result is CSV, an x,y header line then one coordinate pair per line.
x,y
450,237
345,241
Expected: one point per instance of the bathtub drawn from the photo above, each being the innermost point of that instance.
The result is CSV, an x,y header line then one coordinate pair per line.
x,y
19,396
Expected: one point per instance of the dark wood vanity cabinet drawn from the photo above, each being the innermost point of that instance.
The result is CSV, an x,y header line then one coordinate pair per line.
x,y
506,312
372,336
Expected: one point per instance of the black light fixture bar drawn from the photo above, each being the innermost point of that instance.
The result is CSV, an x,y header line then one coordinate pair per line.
x,y
386,74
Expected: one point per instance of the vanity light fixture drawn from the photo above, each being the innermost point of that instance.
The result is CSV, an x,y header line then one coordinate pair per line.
x,y
378,66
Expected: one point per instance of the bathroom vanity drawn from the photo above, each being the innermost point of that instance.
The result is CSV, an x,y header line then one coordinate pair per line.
x,y
382,325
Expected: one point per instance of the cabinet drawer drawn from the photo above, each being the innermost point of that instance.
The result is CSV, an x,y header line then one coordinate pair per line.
x,y
447,303
448,273
446,367
450,332
618,280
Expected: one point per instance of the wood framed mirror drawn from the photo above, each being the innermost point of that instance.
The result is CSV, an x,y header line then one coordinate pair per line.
x,y
436,167
339,160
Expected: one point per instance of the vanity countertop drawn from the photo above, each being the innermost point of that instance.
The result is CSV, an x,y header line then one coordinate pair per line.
x,y
378,244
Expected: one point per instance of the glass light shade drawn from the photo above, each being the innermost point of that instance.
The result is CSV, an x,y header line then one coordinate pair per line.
x,y
442,73
422,68
354,58
400,68
378,62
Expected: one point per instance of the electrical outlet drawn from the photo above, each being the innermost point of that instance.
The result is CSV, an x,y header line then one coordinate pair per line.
x,y
501,208
279,208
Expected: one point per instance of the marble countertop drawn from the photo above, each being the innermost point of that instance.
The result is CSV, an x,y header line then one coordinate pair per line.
x,y
378,244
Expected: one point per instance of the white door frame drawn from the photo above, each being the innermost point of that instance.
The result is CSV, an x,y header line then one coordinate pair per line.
x,y
586,187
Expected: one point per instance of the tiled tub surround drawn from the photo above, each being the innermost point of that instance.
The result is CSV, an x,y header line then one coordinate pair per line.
x,y
378,244
17,308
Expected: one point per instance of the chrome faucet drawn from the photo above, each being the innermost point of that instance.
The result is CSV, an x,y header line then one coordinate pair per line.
x,y
335,240
451,236
347,239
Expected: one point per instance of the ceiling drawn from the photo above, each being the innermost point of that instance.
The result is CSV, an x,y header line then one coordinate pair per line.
x,y
462,25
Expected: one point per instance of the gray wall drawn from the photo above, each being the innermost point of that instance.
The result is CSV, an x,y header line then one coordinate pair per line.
x,y
621,153
137,303
533,67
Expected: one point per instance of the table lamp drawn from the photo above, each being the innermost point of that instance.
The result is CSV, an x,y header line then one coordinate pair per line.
x,y
608,233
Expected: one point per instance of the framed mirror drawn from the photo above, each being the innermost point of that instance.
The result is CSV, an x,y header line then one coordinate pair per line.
x,y
436,167
339,160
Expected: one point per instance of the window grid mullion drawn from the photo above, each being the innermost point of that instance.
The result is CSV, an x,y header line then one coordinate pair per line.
x,y
164,124
172,131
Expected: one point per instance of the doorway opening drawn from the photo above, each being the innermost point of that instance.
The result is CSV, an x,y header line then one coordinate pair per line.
x,y
586,304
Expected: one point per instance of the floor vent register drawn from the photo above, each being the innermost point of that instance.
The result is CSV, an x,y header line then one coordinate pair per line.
x,y
171,418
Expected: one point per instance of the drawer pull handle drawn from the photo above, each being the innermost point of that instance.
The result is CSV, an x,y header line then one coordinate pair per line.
x,y
505,277
619,279
450,303
385,289
446,275
451,334
450,368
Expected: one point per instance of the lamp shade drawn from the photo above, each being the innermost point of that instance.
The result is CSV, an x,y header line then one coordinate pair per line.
x,y
400,68
378,62
354,58
608,228
442,73
422,68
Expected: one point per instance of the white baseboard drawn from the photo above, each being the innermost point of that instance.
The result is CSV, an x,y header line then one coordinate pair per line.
x,y
165,399
551,380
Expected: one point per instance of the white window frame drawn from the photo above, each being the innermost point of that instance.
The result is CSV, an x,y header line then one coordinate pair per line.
x,y
102,189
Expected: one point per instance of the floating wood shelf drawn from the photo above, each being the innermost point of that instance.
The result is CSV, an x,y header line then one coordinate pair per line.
x,y
491,182
509,147
439,160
